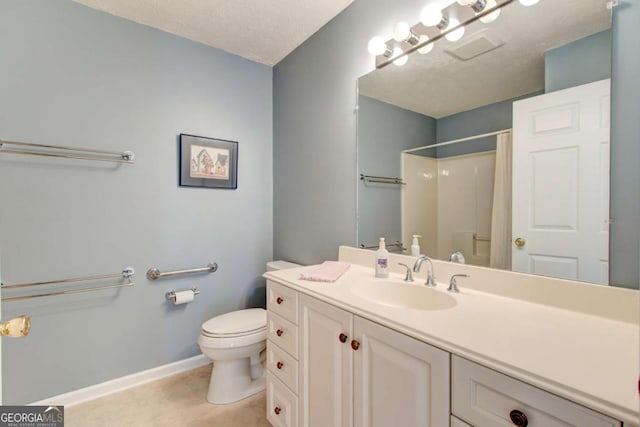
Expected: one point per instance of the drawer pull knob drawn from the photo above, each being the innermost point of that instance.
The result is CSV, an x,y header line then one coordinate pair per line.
x,y
279,332
279,300
518,418
277,410
342,338
355,344
279,365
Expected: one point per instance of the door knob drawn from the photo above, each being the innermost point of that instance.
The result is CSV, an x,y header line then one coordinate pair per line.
x,y
520,242
342,338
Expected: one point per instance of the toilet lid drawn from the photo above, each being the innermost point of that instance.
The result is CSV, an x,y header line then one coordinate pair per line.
x,y
236,322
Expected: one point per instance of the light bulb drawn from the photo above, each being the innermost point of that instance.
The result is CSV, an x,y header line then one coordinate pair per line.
x,y
493,15
466,2
427,47
431,14
400,61
457,34
528,2
401,31
377,46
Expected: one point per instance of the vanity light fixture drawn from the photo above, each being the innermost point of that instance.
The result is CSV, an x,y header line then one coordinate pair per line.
x,y
402,32
432,16
402,59
491,16
455,35
407,39
427,47
377,46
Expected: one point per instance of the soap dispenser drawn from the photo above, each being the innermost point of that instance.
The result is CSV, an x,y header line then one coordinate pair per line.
x,y
415,245
382,260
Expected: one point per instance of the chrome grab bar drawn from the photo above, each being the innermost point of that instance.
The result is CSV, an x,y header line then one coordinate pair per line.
x,y
154,273
123,157
382,179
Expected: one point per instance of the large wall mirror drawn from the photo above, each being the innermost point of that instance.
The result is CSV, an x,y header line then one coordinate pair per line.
x,y
499,143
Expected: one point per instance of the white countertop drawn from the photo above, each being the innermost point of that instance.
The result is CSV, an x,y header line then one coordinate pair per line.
x,y
591,360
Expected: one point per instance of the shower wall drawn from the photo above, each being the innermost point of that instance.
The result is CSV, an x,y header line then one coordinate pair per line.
x,y
75,76
448,201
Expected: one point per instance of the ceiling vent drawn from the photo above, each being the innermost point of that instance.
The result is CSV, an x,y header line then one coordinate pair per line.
x,y
476,44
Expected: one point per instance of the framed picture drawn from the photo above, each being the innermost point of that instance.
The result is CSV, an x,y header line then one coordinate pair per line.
x,y
208,162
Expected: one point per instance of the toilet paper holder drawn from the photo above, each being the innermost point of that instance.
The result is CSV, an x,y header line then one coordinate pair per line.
x,y
171,295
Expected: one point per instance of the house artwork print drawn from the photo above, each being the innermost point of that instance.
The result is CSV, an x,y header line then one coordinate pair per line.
x,y
209,162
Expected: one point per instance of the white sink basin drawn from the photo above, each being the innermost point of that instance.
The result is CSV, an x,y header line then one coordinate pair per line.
x,y
396,293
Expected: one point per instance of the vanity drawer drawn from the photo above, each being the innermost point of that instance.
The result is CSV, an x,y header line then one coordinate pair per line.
x,y
282,405
283,366
283,333
486,398
283,301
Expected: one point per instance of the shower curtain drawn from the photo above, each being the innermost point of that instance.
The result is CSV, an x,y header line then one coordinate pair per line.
x,y
500,254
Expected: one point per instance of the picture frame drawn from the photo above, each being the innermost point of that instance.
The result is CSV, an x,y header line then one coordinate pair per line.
x,y
208,162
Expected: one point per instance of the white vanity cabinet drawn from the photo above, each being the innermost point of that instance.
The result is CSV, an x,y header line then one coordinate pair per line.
x,y
328,367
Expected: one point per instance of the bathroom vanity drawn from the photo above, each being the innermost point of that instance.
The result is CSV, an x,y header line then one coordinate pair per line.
x,y
509,349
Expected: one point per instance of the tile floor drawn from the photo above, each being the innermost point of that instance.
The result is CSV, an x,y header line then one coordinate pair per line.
x,y
175,401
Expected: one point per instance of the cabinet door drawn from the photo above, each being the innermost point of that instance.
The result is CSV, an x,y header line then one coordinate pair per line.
x,y
399,381
326,365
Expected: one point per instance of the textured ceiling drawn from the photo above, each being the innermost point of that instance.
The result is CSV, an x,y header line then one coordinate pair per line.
x,y
438,84
262,31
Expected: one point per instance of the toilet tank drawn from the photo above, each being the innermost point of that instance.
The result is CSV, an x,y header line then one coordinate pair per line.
x,y
281,265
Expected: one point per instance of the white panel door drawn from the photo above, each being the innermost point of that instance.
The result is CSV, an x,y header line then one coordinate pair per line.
x,y
326,365
561,183
398,381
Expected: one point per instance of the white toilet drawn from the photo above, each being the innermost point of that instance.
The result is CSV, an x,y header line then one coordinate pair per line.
x,y
233,341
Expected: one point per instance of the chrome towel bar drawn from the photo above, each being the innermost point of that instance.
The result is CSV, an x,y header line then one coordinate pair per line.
x,y
74,153
154,273
127,273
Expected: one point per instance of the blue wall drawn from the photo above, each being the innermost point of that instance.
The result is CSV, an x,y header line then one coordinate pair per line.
x,y
583,61
625,146
383,132
74,76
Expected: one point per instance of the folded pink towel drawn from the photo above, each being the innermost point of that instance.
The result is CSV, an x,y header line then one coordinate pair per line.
x,y
328,271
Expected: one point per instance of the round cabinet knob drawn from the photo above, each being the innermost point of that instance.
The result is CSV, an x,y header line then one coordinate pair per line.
x,y
520,242
279,332
342,338
279,365
518,418
277,410
279,300
355,344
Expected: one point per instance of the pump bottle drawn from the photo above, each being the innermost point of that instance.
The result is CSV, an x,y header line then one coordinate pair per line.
x,y
415,245
382,260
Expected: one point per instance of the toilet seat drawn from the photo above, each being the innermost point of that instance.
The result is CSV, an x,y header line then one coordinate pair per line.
x,y
236,324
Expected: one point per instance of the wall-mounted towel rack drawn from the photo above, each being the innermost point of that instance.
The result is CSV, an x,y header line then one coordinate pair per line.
x,y
382,179
398,245
31,149
154,273
127,273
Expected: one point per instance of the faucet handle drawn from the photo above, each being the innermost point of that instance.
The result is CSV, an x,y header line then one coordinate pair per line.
x,y
408,277
453,285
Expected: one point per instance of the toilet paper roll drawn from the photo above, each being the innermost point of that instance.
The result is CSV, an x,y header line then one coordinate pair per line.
x,y
184,297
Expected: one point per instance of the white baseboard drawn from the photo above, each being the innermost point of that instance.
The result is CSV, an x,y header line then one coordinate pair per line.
x,y
123,383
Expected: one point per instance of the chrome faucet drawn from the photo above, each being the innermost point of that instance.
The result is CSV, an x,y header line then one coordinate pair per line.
x,y
418,264
453,285
408,277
